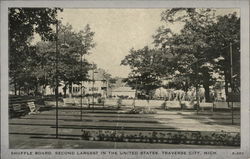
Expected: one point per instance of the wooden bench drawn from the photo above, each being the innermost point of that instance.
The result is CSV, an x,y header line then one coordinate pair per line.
x,y
16,110
33,108
18,105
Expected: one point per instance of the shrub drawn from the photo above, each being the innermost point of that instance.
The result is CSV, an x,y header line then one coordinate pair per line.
x,y
204,138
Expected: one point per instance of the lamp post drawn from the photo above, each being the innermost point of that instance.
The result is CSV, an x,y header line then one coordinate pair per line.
x,y
135,92
56,91
197,87
81,65
81,88
231,82
93,85
136,76
57,80
107,85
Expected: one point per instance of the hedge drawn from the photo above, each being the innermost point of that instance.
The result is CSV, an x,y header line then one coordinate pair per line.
x,y
176,137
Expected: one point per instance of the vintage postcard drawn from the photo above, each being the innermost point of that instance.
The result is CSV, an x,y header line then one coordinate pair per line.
x,y
125,79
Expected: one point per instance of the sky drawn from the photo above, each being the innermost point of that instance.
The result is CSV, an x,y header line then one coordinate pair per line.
x,y
116,32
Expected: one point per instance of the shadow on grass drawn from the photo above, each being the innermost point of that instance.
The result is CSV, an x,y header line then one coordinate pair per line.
x,y
89,115
31,124
49,136
101,127
86,108
62,138
125,128
94,120
116,121
218,118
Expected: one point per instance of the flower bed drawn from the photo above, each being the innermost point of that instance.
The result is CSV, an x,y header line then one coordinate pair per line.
x,y
175,137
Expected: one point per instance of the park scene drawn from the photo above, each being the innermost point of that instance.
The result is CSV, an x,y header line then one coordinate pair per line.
x,y
124,78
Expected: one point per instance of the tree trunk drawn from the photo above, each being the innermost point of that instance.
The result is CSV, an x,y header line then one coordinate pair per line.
x,y
28,91
148,99
226,89
19,90
36,89
207,92
65,91
44,90
226,83
15,88
70,90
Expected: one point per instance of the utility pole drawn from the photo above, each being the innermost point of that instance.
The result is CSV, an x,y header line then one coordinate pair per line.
x,y
81,85
231,84
107,85
93,84
135,92
197,88
56,91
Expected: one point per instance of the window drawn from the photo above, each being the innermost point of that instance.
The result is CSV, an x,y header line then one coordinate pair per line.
x,y
76,89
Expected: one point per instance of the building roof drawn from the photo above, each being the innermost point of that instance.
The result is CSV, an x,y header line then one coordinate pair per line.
x,y
123,89
98,75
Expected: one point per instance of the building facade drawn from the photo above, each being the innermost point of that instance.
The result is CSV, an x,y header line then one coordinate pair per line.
x,y
97,85
125,92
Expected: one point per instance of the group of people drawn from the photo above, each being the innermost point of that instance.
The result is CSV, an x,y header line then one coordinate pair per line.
x,y
190,95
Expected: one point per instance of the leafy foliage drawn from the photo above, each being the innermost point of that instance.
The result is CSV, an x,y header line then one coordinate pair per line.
x,y
72,68
145,69
23,23
34,66
203,38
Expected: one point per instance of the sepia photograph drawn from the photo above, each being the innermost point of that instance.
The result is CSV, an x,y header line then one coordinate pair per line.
x,y
124,78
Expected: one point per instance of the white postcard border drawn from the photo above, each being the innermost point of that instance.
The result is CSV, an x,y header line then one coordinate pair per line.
x,y
245,110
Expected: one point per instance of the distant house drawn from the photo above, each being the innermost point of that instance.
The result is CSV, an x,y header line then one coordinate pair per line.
x,y
97,84
89,87
123,92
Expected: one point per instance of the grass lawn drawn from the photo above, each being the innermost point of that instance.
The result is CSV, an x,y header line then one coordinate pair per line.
x,y
37,131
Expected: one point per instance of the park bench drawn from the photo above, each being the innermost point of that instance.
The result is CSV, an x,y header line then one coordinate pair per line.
x,y
19,106
16,110
33,108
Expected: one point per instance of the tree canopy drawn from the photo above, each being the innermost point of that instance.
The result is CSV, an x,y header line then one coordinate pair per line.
x,y
23,24
145,69
203,39
32,66
189,57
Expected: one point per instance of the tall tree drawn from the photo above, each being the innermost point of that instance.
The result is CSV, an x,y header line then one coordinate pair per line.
x,y
190,46
203,39
23,23
223,33
72,68
145,72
